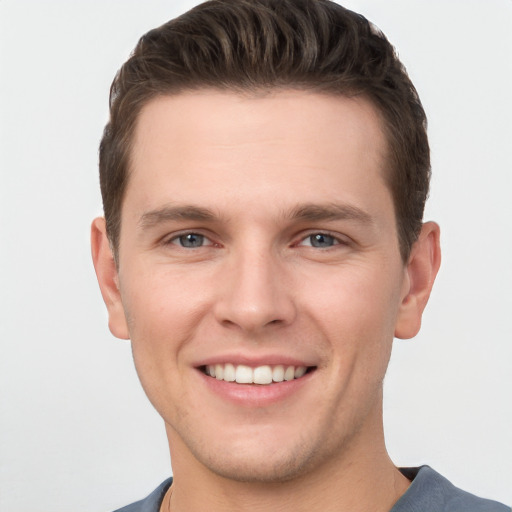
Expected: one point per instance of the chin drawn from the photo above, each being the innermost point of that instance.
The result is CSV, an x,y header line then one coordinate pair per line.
x,y
259,469
258,458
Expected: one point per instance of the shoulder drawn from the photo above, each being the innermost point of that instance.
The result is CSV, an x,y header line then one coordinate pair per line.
x,y
429,491
152,502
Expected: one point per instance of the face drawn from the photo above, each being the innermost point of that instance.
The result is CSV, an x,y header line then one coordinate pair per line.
x,y
260,277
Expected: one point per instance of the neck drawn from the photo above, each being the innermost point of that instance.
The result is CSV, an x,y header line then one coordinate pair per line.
x,y
363,478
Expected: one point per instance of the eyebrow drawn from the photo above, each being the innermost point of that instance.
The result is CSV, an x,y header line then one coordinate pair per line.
x,y
305,212
330,211
172,213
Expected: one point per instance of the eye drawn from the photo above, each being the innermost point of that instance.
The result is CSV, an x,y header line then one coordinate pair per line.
x,y
320,240
190,240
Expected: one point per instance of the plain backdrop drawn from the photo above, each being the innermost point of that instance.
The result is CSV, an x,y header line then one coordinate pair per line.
x,y
76,431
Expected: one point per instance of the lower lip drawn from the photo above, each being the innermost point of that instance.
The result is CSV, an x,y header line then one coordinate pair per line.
x,y
255,395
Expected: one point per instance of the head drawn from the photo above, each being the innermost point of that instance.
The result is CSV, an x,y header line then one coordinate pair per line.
x,y
258,46
264,173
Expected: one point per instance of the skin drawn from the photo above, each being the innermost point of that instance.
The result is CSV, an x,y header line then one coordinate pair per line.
x,y
257,177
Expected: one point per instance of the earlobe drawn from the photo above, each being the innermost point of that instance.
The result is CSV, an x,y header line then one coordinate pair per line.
x,y
422,268
106,272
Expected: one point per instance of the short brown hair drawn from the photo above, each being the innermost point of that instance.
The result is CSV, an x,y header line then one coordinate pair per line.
x,y
253,45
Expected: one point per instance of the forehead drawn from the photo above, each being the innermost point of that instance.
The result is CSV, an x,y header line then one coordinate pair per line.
x,y
213,143
233,114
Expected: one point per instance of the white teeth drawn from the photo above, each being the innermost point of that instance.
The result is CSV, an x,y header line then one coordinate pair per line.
x,y
299,372
244,374
229,373
289,373
219,372
264,374
278,373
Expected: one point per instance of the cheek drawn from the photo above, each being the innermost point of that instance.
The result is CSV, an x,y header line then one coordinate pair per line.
x,y
162,314
365,298
162,306
357,313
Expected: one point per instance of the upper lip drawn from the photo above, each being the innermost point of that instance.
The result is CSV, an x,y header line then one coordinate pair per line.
x,y
254,360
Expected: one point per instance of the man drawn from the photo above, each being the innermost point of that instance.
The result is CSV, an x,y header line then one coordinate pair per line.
x,y
264,174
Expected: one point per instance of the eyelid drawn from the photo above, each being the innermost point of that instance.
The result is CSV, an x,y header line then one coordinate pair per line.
x,y
172,239
338,238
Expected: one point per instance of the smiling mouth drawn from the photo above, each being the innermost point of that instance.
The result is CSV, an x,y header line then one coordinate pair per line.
x,y
263,375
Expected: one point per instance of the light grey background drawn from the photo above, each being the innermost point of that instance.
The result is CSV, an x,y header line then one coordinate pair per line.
x,y
76,432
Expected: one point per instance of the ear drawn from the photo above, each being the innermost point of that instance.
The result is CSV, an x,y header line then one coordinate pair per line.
x,y
421,272
106,272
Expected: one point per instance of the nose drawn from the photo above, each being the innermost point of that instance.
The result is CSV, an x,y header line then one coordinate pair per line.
x,y
255,293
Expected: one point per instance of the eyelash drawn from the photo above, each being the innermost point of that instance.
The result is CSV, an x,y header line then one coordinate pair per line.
x,y
336,240
175,240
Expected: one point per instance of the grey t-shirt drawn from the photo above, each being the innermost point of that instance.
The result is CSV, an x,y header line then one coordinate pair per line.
x,y
431,492
428,492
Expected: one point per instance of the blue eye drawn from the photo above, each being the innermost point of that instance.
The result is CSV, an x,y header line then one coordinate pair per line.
x,y
190,240
322,240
